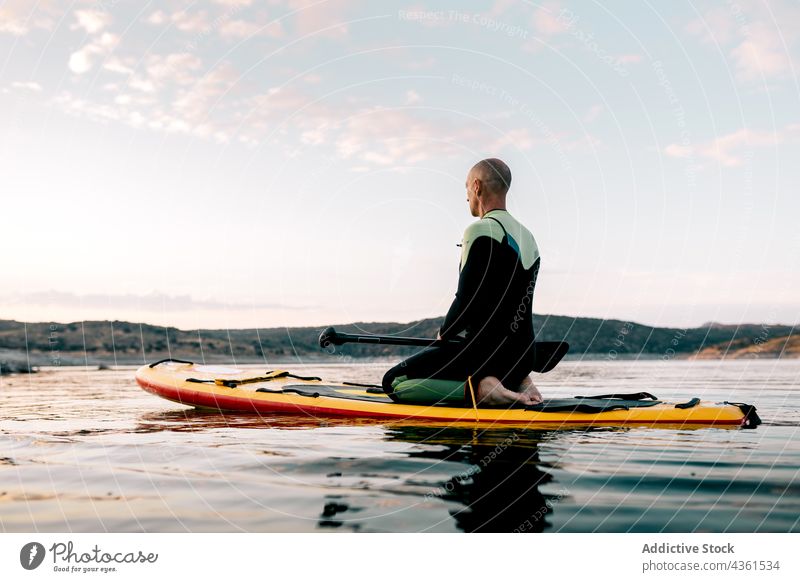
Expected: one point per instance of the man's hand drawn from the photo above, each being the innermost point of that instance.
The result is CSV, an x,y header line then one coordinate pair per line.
x,y
439,334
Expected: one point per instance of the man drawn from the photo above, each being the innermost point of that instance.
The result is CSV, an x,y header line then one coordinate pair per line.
x,y
493,304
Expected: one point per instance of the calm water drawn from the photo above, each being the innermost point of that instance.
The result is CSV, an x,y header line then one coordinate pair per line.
x,y
90,451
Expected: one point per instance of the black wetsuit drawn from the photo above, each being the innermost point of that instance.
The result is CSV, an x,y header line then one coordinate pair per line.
x,y
493,307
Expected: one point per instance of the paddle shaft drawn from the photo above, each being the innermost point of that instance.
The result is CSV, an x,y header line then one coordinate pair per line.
x,y
546,354
331,337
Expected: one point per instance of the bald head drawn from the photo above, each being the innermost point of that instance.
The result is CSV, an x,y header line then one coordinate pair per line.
x,y
487,185
493,174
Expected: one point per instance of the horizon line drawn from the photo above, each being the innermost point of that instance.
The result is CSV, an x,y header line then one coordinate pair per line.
x,y
323,325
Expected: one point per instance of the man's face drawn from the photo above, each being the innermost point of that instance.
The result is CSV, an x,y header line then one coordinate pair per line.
x,y
472,197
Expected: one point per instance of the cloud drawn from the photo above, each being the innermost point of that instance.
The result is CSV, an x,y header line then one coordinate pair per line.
x,y
714,26
177,67
82,61
19,17
196,102
203,23
185,21
177,93
548,21
277,103
761,55
412,97
501,6
158,71
92,21
674,150
11,26
279,109
724,148
234,3
313,137
249,28
727,149
193,103
117,65
158,17
593,113
518,138
586,142
630,59
148,302
755,35
363,137
239,28
27,86
288,117
322,20
191,21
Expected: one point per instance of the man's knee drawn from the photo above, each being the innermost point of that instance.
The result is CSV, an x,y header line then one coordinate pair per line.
x,y
390,376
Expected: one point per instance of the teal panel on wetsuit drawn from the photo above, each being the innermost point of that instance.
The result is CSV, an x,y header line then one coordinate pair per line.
x,y
426,390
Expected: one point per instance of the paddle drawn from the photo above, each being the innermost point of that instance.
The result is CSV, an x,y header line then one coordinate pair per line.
x,y
546,356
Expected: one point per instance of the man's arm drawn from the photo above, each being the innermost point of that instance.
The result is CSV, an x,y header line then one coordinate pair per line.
x,y
474,282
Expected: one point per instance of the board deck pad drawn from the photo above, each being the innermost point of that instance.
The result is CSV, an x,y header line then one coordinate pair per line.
x,y
549,404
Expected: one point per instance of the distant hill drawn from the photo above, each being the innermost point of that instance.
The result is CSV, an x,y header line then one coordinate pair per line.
x,y
122,342
779,347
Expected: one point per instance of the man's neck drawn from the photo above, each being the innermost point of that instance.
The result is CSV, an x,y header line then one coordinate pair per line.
x,y
485,212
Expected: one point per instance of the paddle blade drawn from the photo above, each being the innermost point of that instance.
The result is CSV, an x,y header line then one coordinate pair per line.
x,y
547,355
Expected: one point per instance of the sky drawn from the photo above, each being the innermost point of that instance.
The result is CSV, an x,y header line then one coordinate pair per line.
x,y
235,163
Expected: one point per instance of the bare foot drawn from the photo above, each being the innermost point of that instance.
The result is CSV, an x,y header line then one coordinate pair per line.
x,y
529,388
491,392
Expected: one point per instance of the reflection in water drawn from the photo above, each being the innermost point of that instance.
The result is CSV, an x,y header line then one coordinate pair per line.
x,y
193,420
499,488
333,507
